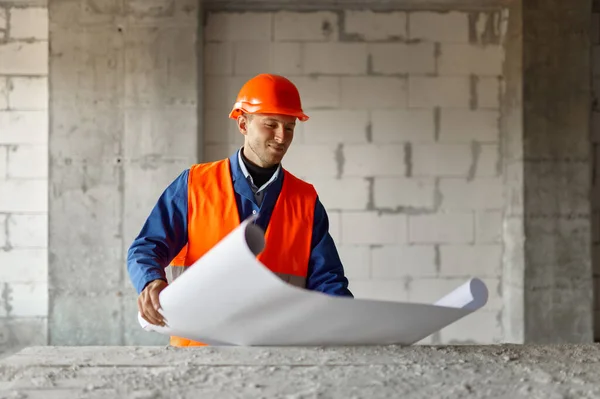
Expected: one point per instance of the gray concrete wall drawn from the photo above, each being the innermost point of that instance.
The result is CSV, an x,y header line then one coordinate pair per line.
x,y
123,124
595,138
513,227
558,290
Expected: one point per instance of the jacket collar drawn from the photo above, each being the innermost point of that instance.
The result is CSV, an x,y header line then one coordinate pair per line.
x,y
241,185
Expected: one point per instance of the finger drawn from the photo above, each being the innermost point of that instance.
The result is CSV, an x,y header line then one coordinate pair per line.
x,y
153,313
151,316
156,305
155,298
149,312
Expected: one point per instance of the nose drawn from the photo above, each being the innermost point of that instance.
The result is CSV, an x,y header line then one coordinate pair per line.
x,y
280,134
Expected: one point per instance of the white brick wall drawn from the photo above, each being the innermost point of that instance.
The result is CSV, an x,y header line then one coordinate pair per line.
x,y
439,27
311,160
382,229
310,27
440,91
402,146
487,164
460,126
343,194
29,23
481,326
393,58
3,22
488,226
441,159
24,58
373,92
467,59
3,93
319,92
478,194
232,27
394,261
470,260
336,126
24,160
374,160
356,260
28,93
456,227
370,25
335,58
394,192
488,93
403,125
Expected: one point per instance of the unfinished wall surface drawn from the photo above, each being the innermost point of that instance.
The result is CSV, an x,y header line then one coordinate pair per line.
x,y
595,142
402,144
124,124
23,174
556,168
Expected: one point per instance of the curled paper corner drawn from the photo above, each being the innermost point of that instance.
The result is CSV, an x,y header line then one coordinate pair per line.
x,y
471,295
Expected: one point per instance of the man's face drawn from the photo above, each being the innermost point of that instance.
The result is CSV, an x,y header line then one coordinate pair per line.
x,y
267,137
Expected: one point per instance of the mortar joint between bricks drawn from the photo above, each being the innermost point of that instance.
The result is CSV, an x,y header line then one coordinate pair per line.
x,y
340,160
7,246
438,197
475,155
473,97
408,158
437,54
437,259
437,116
371,194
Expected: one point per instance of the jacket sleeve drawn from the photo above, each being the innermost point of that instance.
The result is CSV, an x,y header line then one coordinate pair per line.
x,y
162,236
325,269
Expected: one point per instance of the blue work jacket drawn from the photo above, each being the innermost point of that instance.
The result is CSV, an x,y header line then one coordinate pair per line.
x,y
164,234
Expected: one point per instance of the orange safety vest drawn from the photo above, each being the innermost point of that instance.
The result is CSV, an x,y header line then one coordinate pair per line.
x,y
213,213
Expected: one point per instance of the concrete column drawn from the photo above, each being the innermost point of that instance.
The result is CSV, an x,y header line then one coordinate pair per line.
x,y
548,271
123,100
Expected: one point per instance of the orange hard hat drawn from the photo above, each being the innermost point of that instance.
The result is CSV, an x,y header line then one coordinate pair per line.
x,y
268,94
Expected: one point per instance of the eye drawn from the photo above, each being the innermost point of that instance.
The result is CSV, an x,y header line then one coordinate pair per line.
x,y
270,126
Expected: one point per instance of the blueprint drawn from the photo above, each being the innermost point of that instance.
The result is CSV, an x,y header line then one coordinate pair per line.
x,y
228,297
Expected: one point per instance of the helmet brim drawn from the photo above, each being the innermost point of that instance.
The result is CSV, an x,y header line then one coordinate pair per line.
x,y
239,109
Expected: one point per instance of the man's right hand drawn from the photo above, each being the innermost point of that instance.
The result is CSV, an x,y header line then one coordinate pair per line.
x,y
148,303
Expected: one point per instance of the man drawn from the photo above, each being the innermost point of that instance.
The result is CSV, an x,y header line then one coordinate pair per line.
x,y
207,201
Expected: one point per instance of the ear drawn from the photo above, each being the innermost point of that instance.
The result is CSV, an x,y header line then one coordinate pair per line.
x,y
242,122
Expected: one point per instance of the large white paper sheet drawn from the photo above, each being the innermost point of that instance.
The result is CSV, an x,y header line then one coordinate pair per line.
x,y
229,298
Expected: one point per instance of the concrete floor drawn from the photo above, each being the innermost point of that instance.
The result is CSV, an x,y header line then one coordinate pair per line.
x,y
561,371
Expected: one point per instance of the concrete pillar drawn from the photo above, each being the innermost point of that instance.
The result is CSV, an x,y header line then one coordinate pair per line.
x,y
548,271
123,100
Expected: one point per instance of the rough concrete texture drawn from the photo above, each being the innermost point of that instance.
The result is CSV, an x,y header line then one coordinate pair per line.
x,y
595,137
511,129
124,124
558,290
356,372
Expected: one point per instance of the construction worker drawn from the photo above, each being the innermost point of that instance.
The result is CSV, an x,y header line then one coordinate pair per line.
x,y
207,201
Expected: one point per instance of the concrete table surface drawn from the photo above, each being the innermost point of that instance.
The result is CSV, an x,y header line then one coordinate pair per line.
x,y
502,371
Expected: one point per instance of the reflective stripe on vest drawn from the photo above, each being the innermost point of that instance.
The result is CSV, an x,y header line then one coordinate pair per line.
x,y
213,213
